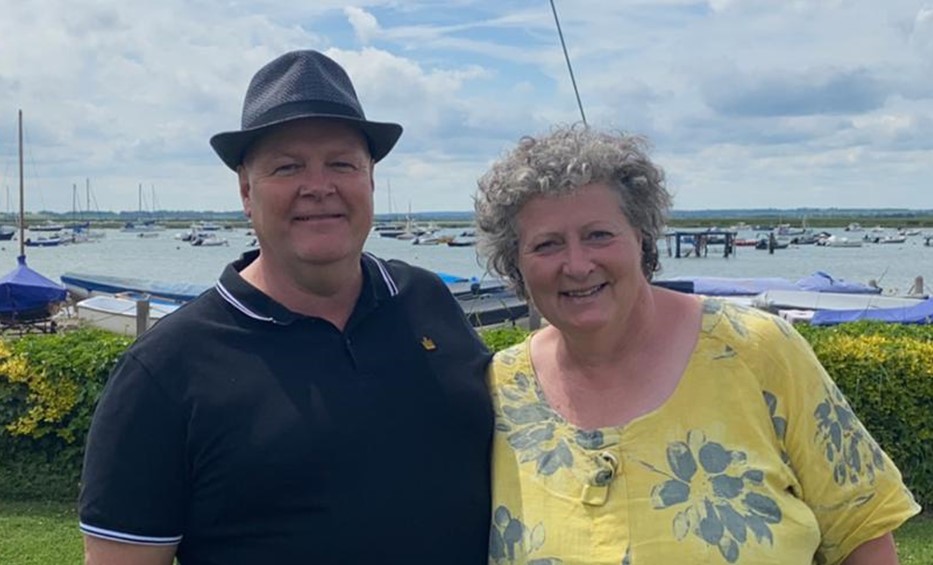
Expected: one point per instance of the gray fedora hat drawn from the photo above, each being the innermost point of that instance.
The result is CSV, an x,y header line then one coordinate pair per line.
x,y
301,84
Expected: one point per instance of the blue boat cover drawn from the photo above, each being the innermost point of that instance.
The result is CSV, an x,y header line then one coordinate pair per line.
x,y
921,313
177,292
449,278
731,286
24,290
823,282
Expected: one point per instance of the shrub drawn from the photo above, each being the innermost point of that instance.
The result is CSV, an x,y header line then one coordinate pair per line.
x,y
49,386
500,338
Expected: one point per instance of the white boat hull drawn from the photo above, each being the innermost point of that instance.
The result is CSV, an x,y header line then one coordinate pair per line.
x,y
775,300
117,314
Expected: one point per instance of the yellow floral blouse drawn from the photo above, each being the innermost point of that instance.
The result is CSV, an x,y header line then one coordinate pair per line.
x,y
756,458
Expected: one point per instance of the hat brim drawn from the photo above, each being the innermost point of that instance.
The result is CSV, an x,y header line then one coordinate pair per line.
x,y
231,146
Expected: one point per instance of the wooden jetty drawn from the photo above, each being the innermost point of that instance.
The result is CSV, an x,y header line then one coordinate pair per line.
x,y
697,242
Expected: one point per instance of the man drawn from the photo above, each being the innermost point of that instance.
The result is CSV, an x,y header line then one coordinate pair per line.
x,y
318,405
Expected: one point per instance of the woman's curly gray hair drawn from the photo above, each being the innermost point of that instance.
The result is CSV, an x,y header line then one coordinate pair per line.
x,y
567,158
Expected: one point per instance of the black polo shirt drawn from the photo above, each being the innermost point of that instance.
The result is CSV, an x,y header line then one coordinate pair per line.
x,y
250,434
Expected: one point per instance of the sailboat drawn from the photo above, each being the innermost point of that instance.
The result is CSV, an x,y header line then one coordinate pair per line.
x,y
409,231
142,226
27,299
91,234
6,231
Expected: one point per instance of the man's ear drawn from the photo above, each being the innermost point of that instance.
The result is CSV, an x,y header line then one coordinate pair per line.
x,y
245,192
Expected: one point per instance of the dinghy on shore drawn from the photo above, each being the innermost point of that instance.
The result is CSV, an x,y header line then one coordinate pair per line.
x,y
117,314
920,313
733,286
774,300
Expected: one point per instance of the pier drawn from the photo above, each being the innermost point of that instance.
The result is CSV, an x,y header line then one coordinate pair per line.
x,y
697,242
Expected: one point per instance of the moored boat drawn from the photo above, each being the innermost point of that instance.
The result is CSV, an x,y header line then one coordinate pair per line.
x,y
836,241
84,285
919,313
774,300
118,314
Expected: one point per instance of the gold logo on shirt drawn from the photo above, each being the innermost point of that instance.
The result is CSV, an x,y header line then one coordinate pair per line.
x,y
428,343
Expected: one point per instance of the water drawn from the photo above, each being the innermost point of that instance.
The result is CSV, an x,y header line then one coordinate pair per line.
x,y
163,258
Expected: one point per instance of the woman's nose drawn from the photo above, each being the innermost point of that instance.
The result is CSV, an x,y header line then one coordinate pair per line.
x,y
577,261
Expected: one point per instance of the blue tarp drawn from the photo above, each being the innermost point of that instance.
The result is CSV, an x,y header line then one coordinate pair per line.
x,y
449,278
176,292
23,290
732,286
921,313
823,282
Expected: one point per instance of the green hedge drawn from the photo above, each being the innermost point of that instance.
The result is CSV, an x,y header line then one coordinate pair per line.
x,y
49,385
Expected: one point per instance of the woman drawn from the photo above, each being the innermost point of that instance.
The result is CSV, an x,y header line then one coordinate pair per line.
x,y
644,426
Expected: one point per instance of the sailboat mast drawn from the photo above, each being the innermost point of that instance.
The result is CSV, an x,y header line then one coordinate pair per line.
x,y
389,198
22,211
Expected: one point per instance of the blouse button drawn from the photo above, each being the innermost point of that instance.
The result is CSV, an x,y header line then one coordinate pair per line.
x,y
609,464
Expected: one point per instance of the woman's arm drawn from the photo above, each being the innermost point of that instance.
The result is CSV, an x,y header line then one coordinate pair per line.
x,y
879,551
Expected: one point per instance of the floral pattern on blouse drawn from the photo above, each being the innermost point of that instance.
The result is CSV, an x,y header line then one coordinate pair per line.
x,y
717,495
510,541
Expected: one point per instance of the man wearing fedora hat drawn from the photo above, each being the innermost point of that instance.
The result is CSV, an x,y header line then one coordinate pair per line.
x,y
319,404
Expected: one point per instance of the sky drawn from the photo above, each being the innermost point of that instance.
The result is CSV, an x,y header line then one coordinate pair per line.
x,y
746,103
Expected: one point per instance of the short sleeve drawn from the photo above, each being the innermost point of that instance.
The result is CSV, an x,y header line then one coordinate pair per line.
x,y
851,485
133,481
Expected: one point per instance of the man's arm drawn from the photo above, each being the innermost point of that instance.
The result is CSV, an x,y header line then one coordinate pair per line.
x,y
98,551
879,551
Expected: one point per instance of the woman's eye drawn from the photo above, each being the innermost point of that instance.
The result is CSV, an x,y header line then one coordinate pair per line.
x,y
344,165
597,235
544,246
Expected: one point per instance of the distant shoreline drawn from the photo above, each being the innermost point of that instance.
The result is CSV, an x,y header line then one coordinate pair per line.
x,y
824,218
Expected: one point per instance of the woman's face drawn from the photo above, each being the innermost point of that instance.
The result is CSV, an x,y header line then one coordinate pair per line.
x,y
579,257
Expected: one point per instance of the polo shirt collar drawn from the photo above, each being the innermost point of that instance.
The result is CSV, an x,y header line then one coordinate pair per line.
x,y
378,285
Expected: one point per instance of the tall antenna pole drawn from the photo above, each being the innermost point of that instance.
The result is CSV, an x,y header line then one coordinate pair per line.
x,y
22,212
567,58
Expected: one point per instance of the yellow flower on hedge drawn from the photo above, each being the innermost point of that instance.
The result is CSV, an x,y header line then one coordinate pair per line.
x,y
50,402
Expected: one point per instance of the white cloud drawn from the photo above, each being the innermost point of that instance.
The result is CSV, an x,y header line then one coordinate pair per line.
x,y
364,24
748,102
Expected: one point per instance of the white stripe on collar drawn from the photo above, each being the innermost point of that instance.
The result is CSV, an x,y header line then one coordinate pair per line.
x,y
228,296
390,282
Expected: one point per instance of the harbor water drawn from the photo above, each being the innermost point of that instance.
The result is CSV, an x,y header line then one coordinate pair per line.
x,y
164,258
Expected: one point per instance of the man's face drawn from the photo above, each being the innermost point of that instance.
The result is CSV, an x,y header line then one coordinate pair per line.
x,y
308,187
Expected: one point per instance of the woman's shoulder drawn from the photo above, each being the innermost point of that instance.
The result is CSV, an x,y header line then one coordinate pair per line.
x,y
514,356
762,342
741,324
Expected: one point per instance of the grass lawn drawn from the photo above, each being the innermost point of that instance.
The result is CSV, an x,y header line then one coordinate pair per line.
x,y
39,533
915,541
46,533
